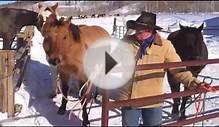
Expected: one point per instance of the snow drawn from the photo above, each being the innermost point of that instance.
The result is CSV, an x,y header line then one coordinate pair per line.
x,y
39,110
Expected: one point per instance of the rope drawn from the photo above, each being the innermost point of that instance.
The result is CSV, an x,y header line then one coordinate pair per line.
x,y
207,87
198,103
93,75
85,97
59,88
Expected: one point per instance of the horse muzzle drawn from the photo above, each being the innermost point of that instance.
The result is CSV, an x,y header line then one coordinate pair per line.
x,y
54,61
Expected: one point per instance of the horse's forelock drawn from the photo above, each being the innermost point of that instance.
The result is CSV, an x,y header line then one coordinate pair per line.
x,y
73,29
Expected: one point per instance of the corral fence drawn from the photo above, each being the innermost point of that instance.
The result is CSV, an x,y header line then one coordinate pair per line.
x,y
110,105
6,82
118,30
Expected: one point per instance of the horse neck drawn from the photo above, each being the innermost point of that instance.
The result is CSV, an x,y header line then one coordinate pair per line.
x,y
28,18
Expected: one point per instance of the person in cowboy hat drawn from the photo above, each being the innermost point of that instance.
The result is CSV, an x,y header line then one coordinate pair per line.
x,y
149,47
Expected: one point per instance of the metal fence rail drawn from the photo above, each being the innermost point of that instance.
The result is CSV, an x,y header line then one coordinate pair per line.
x,y
107,105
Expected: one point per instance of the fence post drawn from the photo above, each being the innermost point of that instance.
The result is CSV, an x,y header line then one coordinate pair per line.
x,y
105,108
6,82
1,85
114,26
10,94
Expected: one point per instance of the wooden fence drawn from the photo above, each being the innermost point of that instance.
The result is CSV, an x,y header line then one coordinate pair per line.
x,y
6,82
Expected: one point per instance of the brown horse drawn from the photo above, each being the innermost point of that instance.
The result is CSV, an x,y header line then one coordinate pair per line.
x,y
65,45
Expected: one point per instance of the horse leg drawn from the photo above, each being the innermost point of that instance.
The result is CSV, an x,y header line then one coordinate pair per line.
x,y
84,108
175,87
65,88
183,105
184,99
84,112
54,75
7,42
96,93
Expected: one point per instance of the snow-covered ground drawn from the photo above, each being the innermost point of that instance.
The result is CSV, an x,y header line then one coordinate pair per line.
x,y
39,110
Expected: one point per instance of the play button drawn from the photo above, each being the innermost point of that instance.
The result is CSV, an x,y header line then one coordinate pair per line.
x,y
109,63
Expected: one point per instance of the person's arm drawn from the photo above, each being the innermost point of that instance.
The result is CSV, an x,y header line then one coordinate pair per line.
x,y
180,73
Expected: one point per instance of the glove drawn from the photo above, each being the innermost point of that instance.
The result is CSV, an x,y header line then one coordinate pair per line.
x,y
194,84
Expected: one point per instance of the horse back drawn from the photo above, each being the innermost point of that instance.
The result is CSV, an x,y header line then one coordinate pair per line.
x,y
90,34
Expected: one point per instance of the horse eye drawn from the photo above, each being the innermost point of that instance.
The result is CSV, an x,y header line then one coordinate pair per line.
x,y
64,37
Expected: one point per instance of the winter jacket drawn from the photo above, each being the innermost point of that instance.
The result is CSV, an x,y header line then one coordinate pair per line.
x,y
160,51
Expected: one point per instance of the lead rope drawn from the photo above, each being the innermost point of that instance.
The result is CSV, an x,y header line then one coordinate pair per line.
x,y
198,97
93,75
198,104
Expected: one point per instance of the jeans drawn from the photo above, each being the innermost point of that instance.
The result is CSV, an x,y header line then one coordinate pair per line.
x,y
150,116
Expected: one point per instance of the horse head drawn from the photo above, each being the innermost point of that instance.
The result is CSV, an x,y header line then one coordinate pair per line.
x,y
45,11
192,39
59,35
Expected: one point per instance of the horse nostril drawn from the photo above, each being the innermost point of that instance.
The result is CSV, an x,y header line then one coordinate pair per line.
x,y
57,60
54,61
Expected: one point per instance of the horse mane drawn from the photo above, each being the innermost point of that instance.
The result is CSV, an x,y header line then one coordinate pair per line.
x,y
75,32
58,22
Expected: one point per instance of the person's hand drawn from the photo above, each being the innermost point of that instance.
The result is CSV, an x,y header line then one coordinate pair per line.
x,y
194,84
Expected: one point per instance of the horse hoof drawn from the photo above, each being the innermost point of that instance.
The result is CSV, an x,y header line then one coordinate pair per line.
x,y
61,111
51,96
16,89
175,116
85,123
17,108
183,117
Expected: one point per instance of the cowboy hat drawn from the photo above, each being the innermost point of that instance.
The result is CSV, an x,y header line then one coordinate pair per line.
x,y
146,20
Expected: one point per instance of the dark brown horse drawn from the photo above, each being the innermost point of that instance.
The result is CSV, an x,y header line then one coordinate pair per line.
x,y
189,44
65,45
12,20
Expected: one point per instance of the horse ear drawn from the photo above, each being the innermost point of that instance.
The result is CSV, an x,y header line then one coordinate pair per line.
x,y
40,6
68,20
54,6
181,26
61,19
200,28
